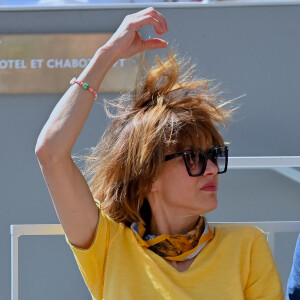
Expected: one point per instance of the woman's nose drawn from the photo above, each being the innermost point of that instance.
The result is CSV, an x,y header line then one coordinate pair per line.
x,y
211,168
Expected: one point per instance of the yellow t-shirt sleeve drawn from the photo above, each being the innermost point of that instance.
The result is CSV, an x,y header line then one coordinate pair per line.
x,y
91,261
264,282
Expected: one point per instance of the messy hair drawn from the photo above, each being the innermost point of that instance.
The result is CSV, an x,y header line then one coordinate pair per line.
x,y
166,106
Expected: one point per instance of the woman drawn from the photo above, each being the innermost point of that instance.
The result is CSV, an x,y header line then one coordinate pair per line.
x,y
138,229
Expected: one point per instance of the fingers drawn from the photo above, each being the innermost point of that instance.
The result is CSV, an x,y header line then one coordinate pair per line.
x,y
162,20
153,12
149,20
150,16
154,44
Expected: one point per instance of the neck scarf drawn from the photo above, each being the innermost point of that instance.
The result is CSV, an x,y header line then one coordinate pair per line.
x,y
176,247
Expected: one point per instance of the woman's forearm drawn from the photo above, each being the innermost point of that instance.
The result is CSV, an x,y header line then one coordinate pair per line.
x,y
66,121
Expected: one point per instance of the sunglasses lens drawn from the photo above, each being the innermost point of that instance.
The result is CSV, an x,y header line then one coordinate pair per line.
x,y
219,158
195,162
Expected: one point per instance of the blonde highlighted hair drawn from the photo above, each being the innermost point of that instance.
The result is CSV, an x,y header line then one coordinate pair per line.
x,y
157,116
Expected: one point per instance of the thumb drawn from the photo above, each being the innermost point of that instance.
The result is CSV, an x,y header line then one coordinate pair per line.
x,y
154,43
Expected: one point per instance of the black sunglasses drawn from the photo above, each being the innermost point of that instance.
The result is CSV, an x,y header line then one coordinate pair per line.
x,y
196,159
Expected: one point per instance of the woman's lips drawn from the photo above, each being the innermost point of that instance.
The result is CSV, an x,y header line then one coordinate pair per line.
x,y
210,186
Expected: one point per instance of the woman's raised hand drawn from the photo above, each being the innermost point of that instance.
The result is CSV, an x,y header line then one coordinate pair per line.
x,y
126,41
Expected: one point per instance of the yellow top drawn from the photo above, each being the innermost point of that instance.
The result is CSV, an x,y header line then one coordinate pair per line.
x,y
236,264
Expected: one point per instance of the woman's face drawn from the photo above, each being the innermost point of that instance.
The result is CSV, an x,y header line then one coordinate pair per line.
x,y
178,192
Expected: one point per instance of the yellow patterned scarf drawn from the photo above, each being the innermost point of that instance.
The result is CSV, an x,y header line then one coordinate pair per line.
x,y
176,247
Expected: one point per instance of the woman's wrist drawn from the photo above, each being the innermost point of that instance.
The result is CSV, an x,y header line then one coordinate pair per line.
x,y
100,64
108,52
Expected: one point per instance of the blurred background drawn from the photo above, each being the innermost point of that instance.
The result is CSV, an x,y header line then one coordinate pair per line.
x,y
250,47
93,2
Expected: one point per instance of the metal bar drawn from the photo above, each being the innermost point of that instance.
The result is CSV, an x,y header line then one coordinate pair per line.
x,y
18,230
289,173
258,162
14,264
269,226
144,5
56,229
38,229
271,241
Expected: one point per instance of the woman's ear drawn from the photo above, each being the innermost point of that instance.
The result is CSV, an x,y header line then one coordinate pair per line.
x,y
153,186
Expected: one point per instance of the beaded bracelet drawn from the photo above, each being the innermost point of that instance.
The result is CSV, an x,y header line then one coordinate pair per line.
x,y
85,86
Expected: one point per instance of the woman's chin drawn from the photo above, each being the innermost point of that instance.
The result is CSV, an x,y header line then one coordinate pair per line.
x,y
209,205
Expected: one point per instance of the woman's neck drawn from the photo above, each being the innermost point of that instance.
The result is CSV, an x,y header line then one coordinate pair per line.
x,y
163,224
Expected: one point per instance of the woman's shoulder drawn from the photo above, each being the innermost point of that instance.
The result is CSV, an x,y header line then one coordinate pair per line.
x,y
238,230
105,218
239,236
